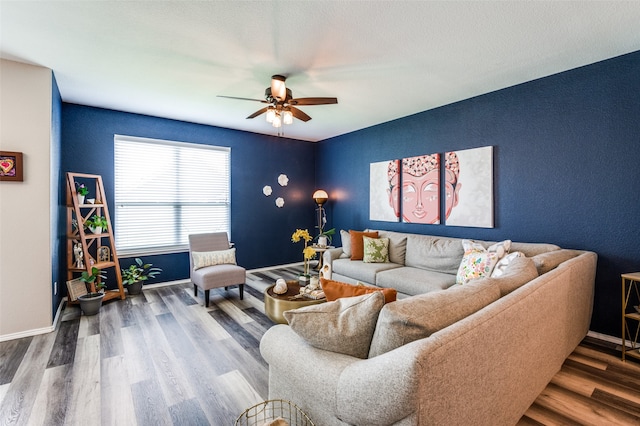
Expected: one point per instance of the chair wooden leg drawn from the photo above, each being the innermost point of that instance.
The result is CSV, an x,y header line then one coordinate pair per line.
x,y
195,290
226,288
241,286
206,298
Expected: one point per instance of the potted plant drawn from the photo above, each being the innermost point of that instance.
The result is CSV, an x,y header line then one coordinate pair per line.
x,y
91,302
134,276
324,237
96,224
308,252
82,192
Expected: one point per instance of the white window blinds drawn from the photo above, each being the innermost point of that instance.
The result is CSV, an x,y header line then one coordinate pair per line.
x,y
165,191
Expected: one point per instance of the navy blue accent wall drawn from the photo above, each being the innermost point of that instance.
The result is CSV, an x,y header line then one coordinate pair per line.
x,y
57,203
566,167
260,230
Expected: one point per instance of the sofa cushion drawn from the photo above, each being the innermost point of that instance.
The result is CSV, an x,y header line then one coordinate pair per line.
x,y
345,238
397,245
360,271
545,262
420,316
376,250
532,249
520,271
334,290
414,281
212,258
439,254
344,326
357,242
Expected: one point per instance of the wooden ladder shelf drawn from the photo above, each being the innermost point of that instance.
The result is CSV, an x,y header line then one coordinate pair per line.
x,y
98,250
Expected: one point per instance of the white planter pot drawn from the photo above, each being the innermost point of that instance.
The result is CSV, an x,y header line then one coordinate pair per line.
x,y
96,230
322,241
80,199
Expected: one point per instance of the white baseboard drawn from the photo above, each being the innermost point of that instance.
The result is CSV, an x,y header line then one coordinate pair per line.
x,y
605,337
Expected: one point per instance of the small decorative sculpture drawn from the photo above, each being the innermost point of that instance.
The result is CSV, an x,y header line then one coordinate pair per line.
x,y
280,287
325,272
78,253
283,180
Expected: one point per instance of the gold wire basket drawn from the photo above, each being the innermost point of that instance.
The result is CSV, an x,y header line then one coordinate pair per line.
x,y
268,411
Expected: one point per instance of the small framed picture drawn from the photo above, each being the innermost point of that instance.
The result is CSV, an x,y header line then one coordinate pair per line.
x,y
104,254
11,166
76,288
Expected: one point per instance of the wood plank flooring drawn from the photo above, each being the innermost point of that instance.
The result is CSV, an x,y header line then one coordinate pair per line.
x,y
162,358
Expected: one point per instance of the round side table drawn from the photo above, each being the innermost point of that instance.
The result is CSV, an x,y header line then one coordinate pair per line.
x,y
276,304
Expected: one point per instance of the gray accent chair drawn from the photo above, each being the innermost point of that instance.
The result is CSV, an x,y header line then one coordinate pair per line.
x,y
215,276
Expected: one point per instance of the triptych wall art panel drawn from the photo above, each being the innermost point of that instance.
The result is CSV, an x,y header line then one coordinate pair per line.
x,y
471,187
384,192
410,188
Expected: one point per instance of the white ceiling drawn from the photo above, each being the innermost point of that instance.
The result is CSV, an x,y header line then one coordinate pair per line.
x,y
382,60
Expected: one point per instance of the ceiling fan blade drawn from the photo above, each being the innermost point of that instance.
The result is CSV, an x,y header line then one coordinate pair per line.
x,y
313,101
243,99
299,114
258,112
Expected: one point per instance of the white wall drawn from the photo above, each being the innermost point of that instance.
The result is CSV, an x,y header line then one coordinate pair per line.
x,y
25,207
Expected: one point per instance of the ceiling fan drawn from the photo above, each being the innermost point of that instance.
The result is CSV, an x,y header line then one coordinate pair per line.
x,y
282,105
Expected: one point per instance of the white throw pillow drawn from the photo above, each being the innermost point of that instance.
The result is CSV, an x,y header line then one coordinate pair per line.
x,y
211,258
345,237
504,263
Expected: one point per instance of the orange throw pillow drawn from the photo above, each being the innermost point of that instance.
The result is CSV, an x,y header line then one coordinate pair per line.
x,y
335,290
357,243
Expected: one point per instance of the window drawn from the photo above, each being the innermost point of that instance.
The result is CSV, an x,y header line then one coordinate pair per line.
x,y
167,190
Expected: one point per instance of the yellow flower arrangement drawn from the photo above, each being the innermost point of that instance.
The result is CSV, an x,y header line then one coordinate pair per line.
x,y
308,252
301,234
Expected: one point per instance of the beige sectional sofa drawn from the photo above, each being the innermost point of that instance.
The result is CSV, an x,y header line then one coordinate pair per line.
x,y
419,263
478,353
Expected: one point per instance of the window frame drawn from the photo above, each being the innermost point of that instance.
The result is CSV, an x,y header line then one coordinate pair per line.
x,y
175,247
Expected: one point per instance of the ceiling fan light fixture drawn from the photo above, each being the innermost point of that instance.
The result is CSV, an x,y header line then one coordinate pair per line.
x,y
277,121
287,117
271,114
278,89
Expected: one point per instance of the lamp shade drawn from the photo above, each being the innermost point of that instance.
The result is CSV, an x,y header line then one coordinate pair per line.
x,y
287,117
320,196
271,114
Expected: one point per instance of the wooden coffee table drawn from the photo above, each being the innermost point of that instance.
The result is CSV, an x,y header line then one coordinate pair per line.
x,y
276,304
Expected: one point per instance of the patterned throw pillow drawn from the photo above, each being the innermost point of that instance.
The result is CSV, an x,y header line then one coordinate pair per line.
x,y
479,262
376,250
211,258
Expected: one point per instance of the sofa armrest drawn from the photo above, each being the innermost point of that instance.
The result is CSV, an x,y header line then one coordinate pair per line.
x,y
330,386
330,255
380,391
